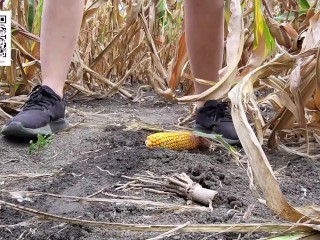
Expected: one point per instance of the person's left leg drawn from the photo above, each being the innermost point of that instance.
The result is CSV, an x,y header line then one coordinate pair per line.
x,y
204,38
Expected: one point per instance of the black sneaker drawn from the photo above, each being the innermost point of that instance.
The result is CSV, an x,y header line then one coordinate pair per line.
x,y
215,118
43,114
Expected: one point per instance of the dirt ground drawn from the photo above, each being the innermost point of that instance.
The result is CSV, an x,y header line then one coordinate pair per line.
x,y
76,164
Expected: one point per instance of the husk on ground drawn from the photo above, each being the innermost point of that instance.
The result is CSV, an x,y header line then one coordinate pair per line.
x,y
272,61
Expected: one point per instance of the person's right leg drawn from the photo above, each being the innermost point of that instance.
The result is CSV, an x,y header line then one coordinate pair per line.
x,y
204,38
44,112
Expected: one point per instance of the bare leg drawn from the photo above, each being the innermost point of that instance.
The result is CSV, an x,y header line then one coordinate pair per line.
x,y
204,38
59,32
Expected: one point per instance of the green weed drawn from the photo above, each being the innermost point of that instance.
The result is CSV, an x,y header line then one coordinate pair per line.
x,y
40,144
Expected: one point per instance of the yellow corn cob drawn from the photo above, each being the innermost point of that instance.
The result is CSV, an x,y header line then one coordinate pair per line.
x,y
173,140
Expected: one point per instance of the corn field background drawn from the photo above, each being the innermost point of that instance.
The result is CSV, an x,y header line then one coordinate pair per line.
x,y
271,63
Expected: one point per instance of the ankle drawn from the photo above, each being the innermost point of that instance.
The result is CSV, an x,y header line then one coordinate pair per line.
x,y
57,90
199,104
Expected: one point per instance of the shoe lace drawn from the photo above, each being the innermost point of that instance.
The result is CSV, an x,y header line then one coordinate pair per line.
x,y
220,111
39,99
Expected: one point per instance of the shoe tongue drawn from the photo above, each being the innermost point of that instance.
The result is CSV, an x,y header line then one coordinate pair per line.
x,y
50,91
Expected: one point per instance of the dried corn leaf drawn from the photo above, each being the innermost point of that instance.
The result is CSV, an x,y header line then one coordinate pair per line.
x,y
179,62
313,33
259,163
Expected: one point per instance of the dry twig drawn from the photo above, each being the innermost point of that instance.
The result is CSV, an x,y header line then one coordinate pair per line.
x,y
271,227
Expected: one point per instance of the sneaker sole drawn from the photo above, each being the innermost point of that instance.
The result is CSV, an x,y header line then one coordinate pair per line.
x,y
15,129
205,130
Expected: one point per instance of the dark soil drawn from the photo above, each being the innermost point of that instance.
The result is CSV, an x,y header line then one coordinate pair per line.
x,y
101,141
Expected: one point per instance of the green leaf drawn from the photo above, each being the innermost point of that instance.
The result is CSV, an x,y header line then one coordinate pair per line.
x,y
262,34
37,20
168,23
42,142
30,14
217,138
285,16
227,12
304,5
32,147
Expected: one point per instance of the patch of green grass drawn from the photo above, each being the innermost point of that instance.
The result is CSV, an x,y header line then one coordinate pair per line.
x,y
42,142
